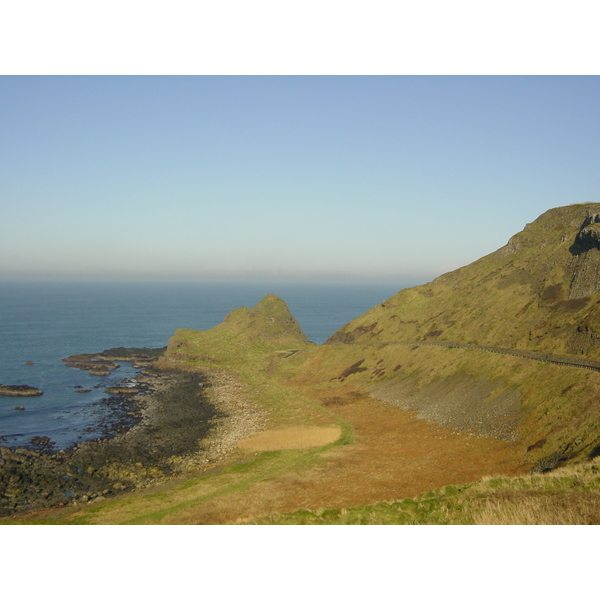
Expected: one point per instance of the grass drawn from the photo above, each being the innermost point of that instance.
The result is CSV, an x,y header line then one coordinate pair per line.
x,y
567,496
172,502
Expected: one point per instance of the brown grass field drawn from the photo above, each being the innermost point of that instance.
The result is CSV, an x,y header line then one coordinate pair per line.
x,y
394,455
292,438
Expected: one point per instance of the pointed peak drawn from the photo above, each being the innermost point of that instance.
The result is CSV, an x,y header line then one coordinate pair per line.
x,y
270,302
270,319
271,298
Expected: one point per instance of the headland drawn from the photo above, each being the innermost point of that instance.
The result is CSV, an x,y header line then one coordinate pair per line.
x,y
471,399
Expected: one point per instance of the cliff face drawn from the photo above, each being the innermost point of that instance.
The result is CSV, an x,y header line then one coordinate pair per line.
x,y
539,292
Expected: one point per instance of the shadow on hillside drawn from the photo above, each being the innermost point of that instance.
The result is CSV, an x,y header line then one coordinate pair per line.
x,y
577,248
595,452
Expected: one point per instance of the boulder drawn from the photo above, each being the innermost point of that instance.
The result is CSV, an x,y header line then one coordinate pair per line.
x,y
41,440
93,364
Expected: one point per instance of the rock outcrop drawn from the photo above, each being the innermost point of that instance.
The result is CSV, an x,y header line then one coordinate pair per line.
x,y
19,390
588,237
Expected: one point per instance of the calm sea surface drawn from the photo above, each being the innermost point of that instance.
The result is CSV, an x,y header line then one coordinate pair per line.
x,y
45,322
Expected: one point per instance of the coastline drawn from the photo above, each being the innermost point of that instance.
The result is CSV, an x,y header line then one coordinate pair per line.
x,y
183,422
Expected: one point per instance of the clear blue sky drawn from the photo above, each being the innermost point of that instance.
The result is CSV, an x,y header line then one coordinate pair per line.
x,y
292,178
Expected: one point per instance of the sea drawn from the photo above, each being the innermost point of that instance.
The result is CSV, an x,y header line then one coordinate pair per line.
x,y
43,322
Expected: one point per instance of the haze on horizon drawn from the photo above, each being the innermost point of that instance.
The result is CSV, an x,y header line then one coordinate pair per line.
x,y
296,178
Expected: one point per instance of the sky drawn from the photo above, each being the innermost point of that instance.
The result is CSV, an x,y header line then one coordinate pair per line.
x,y
291,178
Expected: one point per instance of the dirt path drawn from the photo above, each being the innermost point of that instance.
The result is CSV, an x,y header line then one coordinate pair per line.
x,y
569,361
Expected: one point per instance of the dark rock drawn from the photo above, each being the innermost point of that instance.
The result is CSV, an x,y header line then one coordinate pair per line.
x,y
588,236
550,462
88,365
120,391
537,445
147,373
41,440
355,368
349,337
37,477
19,390
119,354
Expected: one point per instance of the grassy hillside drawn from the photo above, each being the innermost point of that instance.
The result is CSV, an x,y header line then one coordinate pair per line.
x,y
263,345
539,292
244,334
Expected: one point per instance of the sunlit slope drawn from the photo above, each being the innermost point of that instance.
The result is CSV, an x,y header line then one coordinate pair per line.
x,y
539,292
568,496
245,333
542,409
265,347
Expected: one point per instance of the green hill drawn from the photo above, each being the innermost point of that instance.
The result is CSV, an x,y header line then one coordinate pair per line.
x,y
244,334
540,292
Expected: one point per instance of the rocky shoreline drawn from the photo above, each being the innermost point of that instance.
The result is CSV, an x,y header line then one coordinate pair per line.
x,y
179,422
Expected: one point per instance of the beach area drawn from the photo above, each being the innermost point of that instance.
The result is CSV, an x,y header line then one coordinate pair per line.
x,y
179,422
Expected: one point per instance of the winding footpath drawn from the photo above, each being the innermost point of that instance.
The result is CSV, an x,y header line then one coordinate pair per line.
x,y
550,358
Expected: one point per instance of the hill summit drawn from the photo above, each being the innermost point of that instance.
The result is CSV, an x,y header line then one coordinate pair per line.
x,y
245,332
270,320
540,292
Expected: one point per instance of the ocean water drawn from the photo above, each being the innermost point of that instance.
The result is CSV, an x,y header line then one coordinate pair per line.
x,y
45,322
